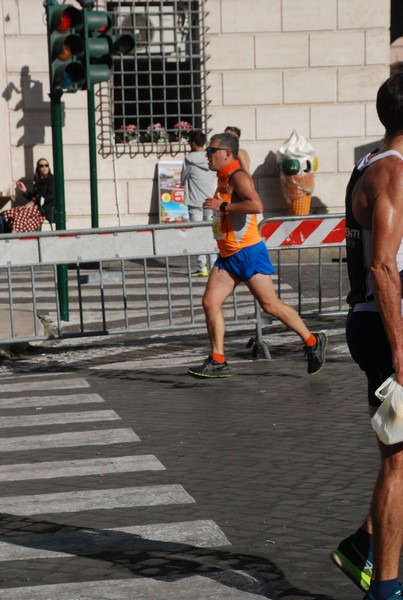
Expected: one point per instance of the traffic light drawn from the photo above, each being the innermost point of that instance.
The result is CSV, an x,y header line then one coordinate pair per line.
x,y
101,45
66,48
122,43
98,44
81,46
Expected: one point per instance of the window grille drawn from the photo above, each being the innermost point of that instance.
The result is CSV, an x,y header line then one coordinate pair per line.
x,y
158,94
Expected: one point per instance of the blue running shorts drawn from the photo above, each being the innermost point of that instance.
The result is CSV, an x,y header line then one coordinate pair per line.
x,y
247,262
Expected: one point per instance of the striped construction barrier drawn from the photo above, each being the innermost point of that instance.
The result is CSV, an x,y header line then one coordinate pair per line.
x,y
304,231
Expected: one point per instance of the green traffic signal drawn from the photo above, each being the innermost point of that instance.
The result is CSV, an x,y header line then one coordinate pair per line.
x,y
99,60
101,45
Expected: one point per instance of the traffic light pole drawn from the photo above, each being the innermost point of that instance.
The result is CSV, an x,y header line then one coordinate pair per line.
x,y
92,137
80,50
92,142
58,169
57,142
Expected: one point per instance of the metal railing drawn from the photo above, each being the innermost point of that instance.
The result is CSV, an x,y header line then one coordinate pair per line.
x,y
139,279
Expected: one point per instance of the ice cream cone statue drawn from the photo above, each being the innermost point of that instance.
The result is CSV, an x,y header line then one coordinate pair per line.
x,y
298,162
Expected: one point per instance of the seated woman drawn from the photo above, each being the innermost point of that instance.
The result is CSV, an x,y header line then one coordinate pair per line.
x,y
40,202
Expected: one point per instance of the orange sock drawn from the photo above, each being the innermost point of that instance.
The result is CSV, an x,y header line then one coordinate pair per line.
x,y
218,357
310,341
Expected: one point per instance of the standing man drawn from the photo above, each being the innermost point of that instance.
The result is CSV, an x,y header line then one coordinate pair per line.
x,y
243,257
199,183
374,236
243,156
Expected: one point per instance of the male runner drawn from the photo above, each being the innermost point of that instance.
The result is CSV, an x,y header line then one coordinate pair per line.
x,y
243,257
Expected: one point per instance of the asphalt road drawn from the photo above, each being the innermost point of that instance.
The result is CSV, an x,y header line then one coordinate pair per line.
x,y
125,478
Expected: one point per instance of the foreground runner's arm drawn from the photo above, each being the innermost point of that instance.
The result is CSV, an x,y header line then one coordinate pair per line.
x,y
387,233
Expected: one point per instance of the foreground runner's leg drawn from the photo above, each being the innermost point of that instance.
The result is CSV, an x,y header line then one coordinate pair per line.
x,y
219,286
262,288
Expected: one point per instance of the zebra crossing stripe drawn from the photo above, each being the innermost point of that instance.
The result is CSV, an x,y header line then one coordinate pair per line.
x,y
180,358
37,401
12,376
147,495
88,542
44,384
225,585
58,418
68,440
79,468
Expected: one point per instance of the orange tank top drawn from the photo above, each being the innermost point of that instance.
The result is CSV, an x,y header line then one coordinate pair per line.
x,y
232,231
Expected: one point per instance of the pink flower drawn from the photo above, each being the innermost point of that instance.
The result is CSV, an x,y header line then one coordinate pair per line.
x,y
183,126
131,128
127,134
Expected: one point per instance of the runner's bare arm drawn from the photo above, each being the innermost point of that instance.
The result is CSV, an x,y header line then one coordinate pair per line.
x,y
387,233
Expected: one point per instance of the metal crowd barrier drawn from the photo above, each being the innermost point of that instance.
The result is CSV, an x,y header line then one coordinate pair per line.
x,y
139,279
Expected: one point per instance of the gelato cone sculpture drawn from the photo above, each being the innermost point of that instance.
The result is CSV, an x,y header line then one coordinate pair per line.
x,y
298,162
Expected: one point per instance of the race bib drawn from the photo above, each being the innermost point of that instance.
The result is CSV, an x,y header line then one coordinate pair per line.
x,y
217,233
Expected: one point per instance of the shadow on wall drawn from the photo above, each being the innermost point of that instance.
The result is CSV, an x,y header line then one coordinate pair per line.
x,y
35,116
266,178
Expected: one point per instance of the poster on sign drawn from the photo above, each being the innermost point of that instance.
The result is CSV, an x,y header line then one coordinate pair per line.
x,y
170,192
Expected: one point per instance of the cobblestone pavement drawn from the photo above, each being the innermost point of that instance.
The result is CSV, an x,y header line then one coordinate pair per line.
x,y
278,461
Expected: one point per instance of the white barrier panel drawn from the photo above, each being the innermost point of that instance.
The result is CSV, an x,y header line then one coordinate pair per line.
x,y
312,231
184,240
63,248
19,252
96,247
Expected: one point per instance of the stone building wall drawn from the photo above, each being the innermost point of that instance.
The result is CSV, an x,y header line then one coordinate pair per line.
x,y
274,66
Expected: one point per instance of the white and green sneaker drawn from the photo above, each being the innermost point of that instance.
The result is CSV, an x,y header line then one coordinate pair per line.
x,y
354,563
201,272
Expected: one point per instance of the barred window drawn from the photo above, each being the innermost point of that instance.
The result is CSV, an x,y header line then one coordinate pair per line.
x,y
158,94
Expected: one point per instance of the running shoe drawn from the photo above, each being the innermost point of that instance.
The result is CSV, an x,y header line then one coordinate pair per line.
x,y
210,369
316,354
201,272
354,563
397,594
